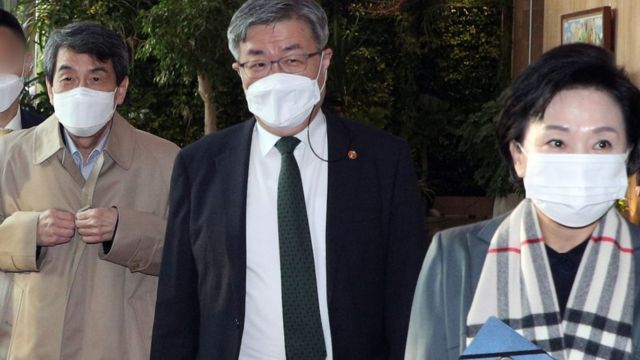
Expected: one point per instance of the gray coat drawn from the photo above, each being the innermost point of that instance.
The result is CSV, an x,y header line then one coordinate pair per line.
x,y
446,286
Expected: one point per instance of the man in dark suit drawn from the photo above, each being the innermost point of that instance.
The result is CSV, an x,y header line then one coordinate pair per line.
x,y
15,65
296,234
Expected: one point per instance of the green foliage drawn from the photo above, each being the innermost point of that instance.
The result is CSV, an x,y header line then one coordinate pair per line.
x,y
478,137
187,38
419,72
622,205
171,110
465,57
424,70
361,78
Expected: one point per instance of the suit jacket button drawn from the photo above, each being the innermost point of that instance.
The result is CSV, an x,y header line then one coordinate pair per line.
x,y
236,322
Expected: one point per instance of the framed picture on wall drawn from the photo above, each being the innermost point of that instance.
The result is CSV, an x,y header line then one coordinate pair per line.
x,y
593,26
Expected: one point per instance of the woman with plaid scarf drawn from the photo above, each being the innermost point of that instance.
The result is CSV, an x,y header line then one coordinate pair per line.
x,y
560,269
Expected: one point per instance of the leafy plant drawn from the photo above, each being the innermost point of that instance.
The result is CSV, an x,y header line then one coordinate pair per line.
x,y
424,70
478,136
188,40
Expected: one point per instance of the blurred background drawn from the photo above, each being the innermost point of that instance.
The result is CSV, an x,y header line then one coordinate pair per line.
x,y
430,71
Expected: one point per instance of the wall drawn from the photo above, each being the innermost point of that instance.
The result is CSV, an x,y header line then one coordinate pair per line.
x,y
521,19
626,34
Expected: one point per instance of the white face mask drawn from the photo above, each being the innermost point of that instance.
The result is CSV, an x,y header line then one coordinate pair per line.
x,y
284,101
10,87
83,111
575,190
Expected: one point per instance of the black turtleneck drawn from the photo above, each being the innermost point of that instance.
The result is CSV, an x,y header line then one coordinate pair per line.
x,y
564,267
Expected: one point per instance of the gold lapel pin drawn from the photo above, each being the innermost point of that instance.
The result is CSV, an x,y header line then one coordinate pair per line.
x,y
352,154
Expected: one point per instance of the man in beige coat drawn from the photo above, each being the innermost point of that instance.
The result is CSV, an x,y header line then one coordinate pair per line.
x,y
83,206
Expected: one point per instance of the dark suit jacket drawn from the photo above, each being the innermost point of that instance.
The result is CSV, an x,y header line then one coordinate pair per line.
x,y
375,245
29,119
448,282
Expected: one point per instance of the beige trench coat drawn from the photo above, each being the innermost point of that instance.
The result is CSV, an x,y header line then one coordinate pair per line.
x,y
74,301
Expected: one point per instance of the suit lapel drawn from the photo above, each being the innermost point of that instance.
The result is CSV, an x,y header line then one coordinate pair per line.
x,y
477,243
233,168
342,176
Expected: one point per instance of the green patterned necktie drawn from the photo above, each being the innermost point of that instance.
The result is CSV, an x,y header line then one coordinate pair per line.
x,y
303,337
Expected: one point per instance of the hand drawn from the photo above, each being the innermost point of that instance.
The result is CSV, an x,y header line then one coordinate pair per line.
x,y
55,227
97,225
637,190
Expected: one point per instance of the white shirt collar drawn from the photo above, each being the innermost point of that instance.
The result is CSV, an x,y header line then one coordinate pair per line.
x,y
15,123
267,140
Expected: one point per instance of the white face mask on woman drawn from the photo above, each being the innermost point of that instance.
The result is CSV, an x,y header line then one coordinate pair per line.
x,y
83,111
284,101
575,190
10,87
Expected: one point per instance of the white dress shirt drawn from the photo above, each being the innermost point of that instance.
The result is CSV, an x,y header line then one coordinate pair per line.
x,y
15,123
263,337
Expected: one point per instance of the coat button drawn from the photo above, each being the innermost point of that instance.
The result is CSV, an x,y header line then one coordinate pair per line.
x,y
236,322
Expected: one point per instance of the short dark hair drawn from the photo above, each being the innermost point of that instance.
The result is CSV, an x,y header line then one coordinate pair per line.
x,y
10,22
89,38
563,68
263,12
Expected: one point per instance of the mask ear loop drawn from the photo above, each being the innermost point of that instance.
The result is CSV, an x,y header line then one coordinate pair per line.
x,y
309,122
23,66
521,148
314,108
319,71
115,105
22,78
626,157
340,157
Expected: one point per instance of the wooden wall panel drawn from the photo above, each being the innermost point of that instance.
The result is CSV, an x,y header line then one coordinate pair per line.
x,y
626,34
520,50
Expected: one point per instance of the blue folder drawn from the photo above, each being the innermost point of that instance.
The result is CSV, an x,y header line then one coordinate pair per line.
x,y
496,340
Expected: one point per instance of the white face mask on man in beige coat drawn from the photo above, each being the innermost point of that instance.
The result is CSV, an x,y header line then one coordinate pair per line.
x,y
82,213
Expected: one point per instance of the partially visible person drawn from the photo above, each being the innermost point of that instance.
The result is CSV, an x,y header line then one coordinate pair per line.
x,y
633,199
15,67
562,267
83,208
296,234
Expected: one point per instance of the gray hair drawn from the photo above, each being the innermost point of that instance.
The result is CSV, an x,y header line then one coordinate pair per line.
x,y
263,12
89,38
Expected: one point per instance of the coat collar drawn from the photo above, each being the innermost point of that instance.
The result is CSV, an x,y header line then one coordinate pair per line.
x,y
120,146
121,143
47,140
486,232
477,243
635,238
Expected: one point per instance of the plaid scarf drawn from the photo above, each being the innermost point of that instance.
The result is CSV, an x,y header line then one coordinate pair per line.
x,y
516,285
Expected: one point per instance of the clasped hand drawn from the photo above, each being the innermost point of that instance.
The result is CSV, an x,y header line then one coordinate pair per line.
x,y
57,227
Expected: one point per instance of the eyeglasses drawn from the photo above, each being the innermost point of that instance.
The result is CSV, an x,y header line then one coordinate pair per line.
x,y
291,64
